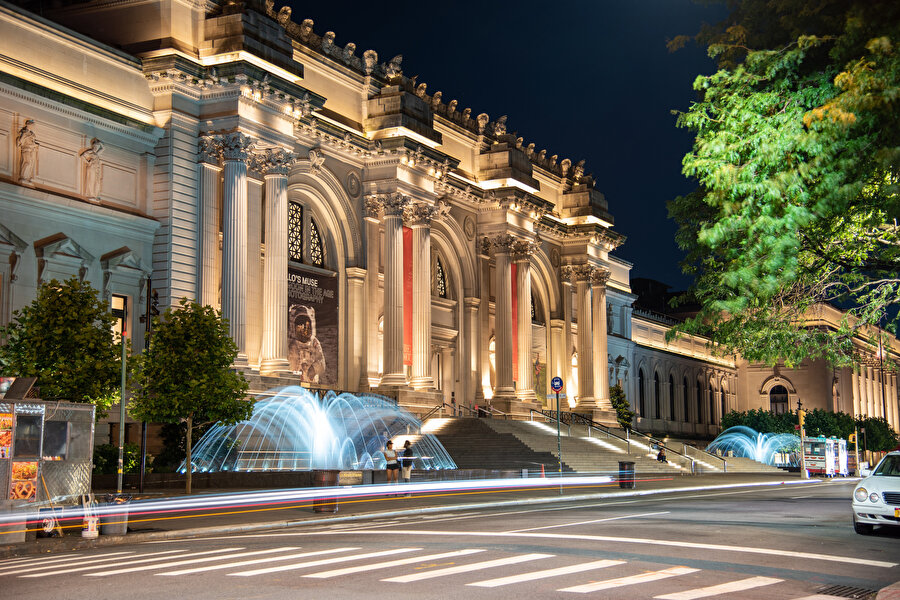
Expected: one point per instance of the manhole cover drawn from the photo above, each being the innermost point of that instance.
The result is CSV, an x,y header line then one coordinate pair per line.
x,y
845,591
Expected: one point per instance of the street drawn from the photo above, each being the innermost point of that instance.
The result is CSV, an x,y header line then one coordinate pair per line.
x,y
786,542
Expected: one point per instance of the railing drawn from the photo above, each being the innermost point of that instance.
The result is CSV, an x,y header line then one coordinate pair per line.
x,y
704,456
454,410
437,409
491,411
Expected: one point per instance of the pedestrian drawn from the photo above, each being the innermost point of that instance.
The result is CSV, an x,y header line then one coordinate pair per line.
x,y
661,457
406,461
391,465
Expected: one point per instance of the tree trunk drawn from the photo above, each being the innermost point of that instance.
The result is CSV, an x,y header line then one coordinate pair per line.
x,y
190,467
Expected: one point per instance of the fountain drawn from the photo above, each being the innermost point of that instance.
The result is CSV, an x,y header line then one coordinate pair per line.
x,y
777,449
293,429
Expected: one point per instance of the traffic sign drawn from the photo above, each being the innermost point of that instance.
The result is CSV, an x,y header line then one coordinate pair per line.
x,y
556,384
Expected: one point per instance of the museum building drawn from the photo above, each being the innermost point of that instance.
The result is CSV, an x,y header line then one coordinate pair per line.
x,y
360,230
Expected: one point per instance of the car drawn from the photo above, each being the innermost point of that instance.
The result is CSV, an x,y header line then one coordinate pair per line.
x,y
876,499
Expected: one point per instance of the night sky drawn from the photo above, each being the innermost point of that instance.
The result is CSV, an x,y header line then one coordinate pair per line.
x,y
586,80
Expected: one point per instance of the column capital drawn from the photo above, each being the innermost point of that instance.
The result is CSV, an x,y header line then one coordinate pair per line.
x,y
422,214
209,151
234,146
503,243
585,273
392,204
275,161
599,277
522,250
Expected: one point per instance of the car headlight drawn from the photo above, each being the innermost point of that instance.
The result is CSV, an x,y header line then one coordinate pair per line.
x,y
861,494
874,497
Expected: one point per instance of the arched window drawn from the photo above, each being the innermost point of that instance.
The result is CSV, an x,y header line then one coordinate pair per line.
x,y
699,396
656,405
685,399
778,399
295,231
316,249
671,398
712,405
722,401
440,280
641,396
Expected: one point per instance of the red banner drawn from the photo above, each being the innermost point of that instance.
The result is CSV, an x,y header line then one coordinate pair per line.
x,y
407,295
515,322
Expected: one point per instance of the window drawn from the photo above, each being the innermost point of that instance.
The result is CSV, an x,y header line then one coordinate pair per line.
x,y
120,312
56,440
27,441
295,231
641,396
699,395
440,280
671,398
712,405
656,405
316,250
778,399
687,407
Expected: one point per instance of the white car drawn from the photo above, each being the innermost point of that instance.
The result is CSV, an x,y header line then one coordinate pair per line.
x,y
876,499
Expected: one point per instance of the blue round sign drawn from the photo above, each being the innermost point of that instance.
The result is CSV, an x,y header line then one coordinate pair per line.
x,y
556,384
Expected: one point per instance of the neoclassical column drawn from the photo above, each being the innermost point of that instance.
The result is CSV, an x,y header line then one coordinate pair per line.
x,y
394,374
370,376
582,276
210,172
521,254
418,217
469,355
234,249
870,391
484,319
566,277
355,357
505,387
273,358
599,278
854,390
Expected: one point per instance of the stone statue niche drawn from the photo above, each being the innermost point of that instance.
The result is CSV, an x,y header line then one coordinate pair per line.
x,y
27,144
93,171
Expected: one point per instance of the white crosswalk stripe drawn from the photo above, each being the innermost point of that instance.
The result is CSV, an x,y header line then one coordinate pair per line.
x,y
597,564
630,580
466,568
178,563
326,561
255,561
391,563
155,556
68,560
722,588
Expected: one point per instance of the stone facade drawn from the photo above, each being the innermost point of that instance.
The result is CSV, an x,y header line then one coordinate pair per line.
x,y
359,232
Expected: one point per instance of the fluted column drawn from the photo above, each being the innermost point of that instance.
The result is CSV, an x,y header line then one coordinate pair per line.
x,y
601,361
522,251
234,249
582,275
210,172
854,390
373,258
504,388
273,359
870,391
895,404
394,374
571,388
419,216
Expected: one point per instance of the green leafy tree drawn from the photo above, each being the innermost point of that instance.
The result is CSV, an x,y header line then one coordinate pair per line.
x,y
65,339
186,375
878,436
624,414
796,152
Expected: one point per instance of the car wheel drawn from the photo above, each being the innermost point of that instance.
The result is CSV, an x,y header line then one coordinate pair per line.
x,y
862,528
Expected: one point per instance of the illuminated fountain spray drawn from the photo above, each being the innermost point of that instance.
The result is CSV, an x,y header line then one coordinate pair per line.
x,y
292,429
779,449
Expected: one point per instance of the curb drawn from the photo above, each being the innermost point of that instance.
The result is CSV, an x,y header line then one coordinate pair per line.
x,y
177,534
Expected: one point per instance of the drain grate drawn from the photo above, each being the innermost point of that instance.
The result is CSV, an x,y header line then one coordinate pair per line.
x,y
845,591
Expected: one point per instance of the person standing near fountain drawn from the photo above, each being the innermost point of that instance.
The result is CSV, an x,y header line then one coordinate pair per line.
x,y
391,465
406,461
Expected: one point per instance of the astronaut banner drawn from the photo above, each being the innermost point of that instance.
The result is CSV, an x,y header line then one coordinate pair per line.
x,y
313,326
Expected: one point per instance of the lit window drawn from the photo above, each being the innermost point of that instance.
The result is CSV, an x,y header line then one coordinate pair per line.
x,y
316,250
119,305
295,231
440,282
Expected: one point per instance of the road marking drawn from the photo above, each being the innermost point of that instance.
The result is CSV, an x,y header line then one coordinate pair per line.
x,y
665,512
724,588
177,562
630,580
255,561
55,562
597,564
466,568
391,563
627,540
326,561
156,556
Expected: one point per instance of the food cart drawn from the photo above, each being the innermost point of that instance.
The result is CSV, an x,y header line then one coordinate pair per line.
x,y
825,456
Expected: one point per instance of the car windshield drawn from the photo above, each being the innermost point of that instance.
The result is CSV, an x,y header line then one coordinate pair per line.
x,y
890,466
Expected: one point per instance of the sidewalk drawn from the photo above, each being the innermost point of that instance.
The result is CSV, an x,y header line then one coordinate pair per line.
x,y
236,511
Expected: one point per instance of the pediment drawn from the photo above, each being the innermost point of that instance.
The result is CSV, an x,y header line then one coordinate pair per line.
x,y
61,245
8,238
123,258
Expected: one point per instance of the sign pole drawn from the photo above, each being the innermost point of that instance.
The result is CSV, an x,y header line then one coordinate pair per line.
x,y
121,463
556,385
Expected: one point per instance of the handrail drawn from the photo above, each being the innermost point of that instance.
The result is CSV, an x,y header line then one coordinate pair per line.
x,y
651,440
439,407
709,454
464,407
493,411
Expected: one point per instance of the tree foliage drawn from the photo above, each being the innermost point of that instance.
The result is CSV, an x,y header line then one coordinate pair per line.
x,y
796,152
186,375
65,339
624,414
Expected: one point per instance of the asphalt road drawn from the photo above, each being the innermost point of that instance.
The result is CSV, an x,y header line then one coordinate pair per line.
x,y
784,542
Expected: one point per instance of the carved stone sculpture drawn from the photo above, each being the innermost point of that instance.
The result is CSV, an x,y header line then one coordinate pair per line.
x,y
93,170
483,119
316,160
349,49
370,58
328,42
500,126
284,16
436,100
393,69
27,143
306,28
451,108
420,90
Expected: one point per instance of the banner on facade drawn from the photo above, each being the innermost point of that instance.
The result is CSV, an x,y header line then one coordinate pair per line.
x,y
313,326
407,295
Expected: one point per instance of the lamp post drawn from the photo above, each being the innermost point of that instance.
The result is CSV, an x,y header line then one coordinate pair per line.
x,y
120,469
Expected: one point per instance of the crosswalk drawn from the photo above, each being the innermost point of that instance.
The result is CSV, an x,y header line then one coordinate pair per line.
x,y
477,567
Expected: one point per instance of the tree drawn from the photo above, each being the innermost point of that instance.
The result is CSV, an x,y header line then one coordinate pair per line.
x,y
624,414
796,152
186,375
65,338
